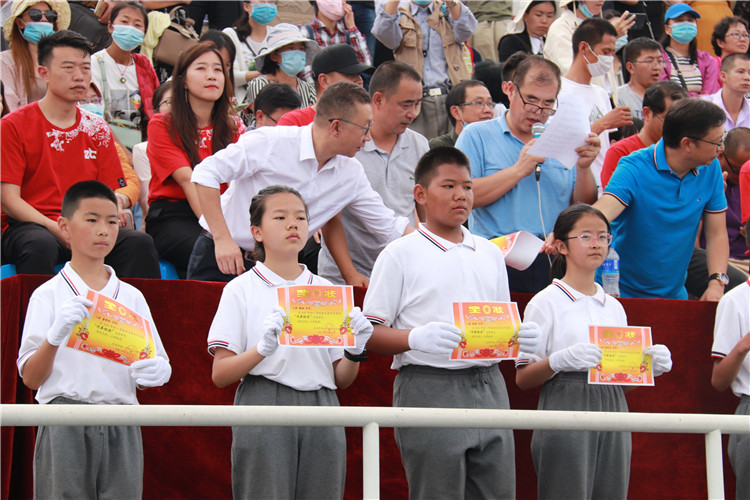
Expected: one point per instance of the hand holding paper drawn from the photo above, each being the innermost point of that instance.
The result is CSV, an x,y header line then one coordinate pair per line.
x,y
72,312
575,358
661,358
435,338
272,325
152,372
362,330
529,339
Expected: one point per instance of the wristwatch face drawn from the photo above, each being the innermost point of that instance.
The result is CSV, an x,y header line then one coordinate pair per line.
x,y
723,278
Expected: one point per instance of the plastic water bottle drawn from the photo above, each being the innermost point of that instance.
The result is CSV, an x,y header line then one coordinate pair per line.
x,y
611,273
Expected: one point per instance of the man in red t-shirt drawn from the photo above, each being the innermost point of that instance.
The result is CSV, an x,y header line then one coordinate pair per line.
x,y
49,145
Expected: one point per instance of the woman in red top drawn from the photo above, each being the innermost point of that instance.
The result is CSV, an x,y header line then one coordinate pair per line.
x,y
200,123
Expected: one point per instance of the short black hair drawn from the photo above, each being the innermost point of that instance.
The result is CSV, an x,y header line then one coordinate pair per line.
x,y
634,48
222,41
692,117
657,94
550,71
728,62
62,38
457,96
592,31
84,190
276,95
388,76
130,5
738,139
491,74
721,28
432,159
340,100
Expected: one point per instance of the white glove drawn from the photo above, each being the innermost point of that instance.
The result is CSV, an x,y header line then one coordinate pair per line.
x,y
661,358
529,339
72,312
435,338
576,358
362,330
152,372
272,325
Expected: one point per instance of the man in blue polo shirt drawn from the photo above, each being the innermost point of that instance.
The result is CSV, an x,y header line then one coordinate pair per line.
x,y
506,189
655,201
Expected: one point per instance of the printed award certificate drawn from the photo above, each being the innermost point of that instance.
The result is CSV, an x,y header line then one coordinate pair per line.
x,y
316,316
623,361
490,330
113,332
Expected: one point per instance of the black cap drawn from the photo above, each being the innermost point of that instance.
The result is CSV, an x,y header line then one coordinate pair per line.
x,y
340,58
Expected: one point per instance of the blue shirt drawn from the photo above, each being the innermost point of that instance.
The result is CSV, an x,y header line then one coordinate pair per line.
x,y
655,234
491,147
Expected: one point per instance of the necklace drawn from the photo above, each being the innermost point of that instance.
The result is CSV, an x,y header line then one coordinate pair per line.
x,y
122,73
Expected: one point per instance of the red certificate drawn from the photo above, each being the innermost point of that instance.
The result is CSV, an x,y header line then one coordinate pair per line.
x,y
623,361
490,330
316,316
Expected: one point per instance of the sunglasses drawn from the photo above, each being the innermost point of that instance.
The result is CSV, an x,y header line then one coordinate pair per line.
x,y
36,15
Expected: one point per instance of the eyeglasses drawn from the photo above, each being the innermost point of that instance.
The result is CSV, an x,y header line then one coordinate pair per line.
x,y
588,239
652,62
366,129
479,104
726,159
717,144
738,35
533,108
167,101
36,15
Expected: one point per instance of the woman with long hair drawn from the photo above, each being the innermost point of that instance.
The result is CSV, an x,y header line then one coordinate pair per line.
x,y
200,123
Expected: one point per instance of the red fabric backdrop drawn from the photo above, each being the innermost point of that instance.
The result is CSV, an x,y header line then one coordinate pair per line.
x,y
193,462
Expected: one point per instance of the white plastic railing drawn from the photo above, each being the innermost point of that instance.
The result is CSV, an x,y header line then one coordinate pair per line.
x,y
372,418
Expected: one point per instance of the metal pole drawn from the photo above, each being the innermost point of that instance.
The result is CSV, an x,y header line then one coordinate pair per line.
x,y
371,461
714,465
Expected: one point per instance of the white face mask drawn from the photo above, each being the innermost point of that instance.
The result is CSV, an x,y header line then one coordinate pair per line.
x,y
602,66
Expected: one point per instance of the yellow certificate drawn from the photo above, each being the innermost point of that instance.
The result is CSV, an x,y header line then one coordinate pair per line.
x,y
113,332
316,316
623,361
490,330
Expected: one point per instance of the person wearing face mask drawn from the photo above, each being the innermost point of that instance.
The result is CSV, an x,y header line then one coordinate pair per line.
x,y
467,102
28,23
685,64
286,55
250,37
594,49
127,79
334,23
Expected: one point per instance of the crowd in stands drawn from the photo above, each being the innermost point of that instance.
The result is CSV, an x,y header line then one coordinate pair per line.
x,y
398,133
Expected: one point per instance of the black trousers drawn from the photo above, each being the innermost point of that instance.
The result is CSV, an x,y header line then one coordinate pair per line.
x,y
533,279
35,250
174,228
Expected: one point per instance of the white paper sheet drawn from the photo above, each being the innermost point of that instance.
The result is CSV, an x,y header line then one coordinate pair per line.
x,y
566,131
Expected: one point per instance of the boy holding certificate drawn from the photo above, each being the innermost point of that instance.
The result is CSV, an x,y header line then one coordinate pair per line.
x,y
86,462
414,284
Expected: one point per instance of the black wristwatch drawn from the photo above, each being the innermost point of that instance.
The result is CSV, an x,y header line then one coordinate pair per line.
x,y
721,277
357,358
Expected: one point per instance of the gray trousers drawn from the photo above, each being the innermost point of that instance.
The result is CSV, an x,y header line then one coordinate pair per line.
x,y
581,464
455,463
286,462
739,453
432,120
102,462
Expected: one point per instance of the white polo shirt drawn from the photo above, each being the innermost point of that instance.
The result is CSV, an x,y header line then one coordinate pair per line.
x,y
417,278
75,374
564,315
238,326
733,323
285,155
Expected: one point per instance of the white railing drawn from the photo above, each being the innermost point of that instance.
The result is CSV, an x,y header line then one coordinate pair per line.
x,y
372,418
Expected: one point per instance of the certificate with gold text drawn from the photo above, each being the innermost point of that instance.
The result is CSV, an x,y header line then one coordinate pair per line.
x,y
113,332
490,330
316,316
623,361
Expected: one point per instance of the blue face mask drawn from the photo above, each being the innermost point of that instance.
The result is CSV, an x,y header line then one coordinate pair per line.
x,y
127,37
33,32
422,3
94,106
684,32
293,61
263,13
585,11
621,42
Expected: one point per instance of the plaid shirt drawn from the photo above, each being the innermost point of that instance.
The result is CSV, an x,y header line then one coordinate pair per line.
x,y
317,31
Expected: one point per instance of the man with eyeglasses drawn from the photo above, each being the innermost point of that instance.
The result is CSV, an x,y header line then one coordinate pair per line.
x,y
389,159
508,196
467,102
656,199
644,64
733,96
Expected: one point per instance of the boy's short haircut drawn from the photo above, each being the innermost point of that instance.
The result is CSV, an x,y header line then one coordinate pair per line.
x,y
457,96
85,190
340,100
592,31
388,76
130,5
432,159
693,118
634,48
729,61
657,94
549,72
62,38
276,95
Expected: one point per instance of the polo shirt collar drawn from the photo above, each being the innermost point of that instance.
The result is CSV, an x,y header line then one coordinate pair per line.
x,y
306,148
660,159
444,244
80,288
272,279
574,294
401,144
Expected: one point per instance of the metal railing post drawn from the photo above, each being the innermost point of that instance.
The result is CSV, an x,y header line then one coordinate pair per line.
x,y
714,465
371,461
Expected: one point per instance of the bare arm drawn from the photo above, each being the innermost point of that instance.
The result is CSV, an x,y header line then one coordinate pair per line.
x,y
618,117
533,374
228,253
585,189
39,366
609,206
17,208
335,238
388,341
182,177
717,252
344,372
726,370
229,367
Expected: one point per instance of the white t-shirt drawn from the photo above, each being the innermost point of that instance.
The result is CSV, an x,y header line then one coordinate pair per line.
x,y
417,278
238,326
75,374
124,97
733,323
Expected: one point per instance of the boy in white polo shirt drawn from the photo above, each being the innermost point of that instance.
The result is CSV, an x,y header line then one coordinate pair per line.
x,y
732,369
414,283
95,461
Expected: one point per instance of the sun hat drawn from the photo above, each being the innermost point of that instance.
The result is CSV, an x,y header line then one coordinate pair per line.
x,y
284,34
20,6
